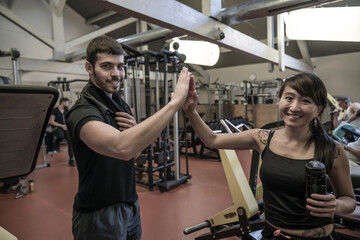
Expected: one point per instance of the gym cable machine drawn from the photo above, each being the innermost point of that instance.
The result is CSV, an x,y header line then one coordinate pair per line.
x,y
252,98
64,84
61,86
165,153
15,54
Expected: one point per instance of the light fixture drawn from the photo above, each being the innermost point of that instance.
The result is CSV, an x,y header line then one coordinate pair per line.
x,y
197,52
324,24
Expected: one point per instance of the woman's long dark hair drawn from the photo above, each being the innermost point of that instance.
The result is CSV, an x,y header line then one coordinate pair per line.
x,y
310,85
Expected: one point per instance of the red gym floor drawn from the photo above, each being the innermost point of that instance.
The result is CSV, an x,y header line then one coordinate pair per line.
x,y
46,213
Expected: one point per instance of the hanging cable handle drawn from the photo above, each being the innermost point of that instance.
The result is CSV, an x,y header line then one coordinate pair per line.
x,y
169,53
15,54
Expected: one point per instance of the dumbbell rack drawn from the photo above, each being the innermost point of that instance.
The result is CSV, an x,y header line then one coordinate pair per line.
x,y
145,165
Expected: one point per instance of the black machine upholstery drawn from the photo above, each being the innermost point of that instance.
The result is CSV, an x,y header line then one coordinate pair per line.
x,y
24,115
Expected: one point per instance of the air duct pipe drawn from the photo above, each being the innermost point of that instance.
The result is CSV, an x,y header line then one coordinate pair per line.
x,y
260,8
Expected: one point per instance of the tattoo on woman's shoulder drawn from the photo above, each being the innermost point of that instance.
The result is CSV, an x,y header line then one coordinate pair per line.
x,y
337,151
263,136
317,233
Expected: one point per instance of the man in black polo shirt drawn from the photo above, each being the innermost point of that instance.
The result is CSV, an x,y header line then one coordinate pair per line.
x,y
59,128
105,139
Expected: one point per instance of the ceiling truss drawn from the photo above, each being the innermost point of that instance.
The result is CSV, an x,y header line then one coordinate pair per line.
x,y
183,19
170,15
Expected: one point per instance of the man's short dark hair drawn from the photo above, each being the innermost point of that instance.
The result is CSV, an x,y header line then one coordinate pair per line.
x,y
63,99
343,98
102,44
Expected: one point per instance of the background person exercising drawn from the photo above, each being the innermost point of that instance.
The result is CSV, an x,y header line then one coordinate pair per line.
x,y
105,139
59,128
350,120
285,152
353,152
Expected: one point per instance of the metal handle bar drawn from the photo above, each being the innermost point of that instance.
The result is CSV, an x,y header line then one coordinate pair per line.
x,y
225,126
196,227
243,125
232,126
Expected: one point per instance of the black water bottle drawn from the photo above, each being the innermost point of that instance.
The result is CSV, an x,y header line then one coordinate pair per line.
x,y
315,178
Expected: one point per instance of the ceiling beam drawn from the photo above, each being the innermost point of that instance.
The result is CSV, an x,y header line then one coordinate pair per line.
x,y
102,31
46,66
58,6
57,30
100,17
270,32
281,40
304,51
211,8
202,73
183,19
25,26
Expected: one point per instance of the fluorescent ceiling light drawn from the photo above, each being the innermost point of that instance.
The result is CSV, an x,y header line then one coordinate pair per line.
x,y
324,24
197,52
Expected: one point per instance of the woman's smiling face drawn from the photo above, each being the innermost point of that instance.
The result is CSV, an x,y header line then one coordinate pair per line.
x,y
297,110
